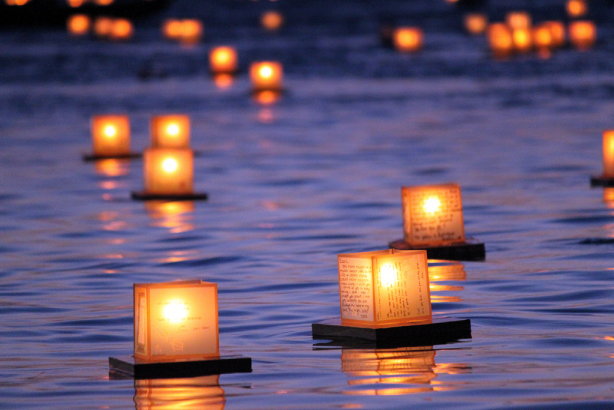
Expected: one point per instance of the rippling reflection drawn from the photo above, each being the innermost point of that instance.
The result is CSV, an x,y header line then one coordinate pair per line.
x,y
175,216
112,167
266,97
223,81
443,271
608,197
202,392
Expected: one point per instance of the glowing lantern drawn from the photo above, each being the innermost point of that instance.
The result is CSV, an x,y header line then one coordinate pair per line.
x,y
191,31
168,171
576,8
78,24
582,34
557,30
608,154
384,287
407,39
500,39
170,131
266,75
543,38
271,20
518,20
121,29
433,215
223,60
522,39
175,321
103,26
476,23
110,135
171,29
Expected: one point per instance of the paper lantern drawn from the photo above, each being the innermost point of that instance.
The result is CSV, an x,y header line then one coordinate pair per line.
x,y
266,75
170,131
384,287
191,31
582,34
175,321
576,8
518,20
543,39
223,80
522,39
168,171
608,154
271,20
223,60
103,26
121,30
476,23
407,39
78,24
110,135
500,39
171,29
433,215
557,30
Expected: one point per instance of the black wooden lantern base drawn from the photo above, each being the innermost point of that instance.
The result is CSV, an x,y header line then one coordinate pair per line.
x,y
144,196
470,250
130,367
439,331
94,157
602,180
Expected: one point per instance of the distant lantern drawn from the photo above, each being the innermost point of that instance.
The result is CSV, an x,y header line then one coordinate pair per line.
x,y
557,30
608,154
175,321
223,60
271,20
110,136
384,287
103,26
171,29
582,34
476,23
576,8
191,31
266,76
78,24
522,39
170,131
407,39
543,39
121,29
168,172
500,39
518,20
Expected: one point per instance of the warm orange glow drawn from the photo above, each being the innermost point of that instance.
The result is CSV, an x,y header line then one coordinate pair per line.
x,y
517,20
271,20
542,38
608,197
171,29
582,34
121,29
173,215
557,30
103,26
203,392
266,75
523,39
104,2
111,167
170,131
75,3
16,2
476,23
608,153
191,31
266,97
384,287
168,171
110,135
500,39
78,24
223,80
223,59
576,8
407,39
432,215
175,321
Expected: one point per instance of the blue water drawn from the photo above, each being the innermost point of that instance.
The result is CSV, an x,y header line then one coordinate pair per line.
x,y
293,184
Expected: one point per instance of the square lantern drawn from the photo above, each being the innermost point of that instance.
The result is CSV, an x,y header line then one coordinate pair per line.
x,y
433,220
176,332
78,25
607,178
110,137
582,34
475,23
168,173
170,131
266,76
407,39
223,60
385,298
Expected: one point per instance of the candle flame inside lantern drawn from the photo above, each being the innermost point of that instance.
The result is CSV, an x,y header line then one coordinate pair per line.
x,y
175,311
388,275
265,71
110,131
432,205
170,165
172,129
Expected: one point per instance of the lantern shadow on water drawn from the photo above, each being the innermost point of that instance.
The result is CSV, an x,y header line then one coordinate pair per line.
x,y
110,138
607,152
433,221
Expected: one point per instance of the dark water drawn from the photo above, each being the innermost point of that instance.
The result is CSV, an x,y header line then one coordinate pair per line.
x,y
291,186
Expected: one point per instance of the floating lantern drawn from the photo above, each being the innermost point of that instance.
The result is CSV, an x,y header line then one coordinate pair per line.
x,y
543,39
103,26
271,20
557,30
223,60
191,31
407,39
78,24
607,178
433,220
518,20
168,174
266,75
500,39
582,34
170,131
475,23
383,295
176,332
522,39
576,8
171,29
121,30
110,137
